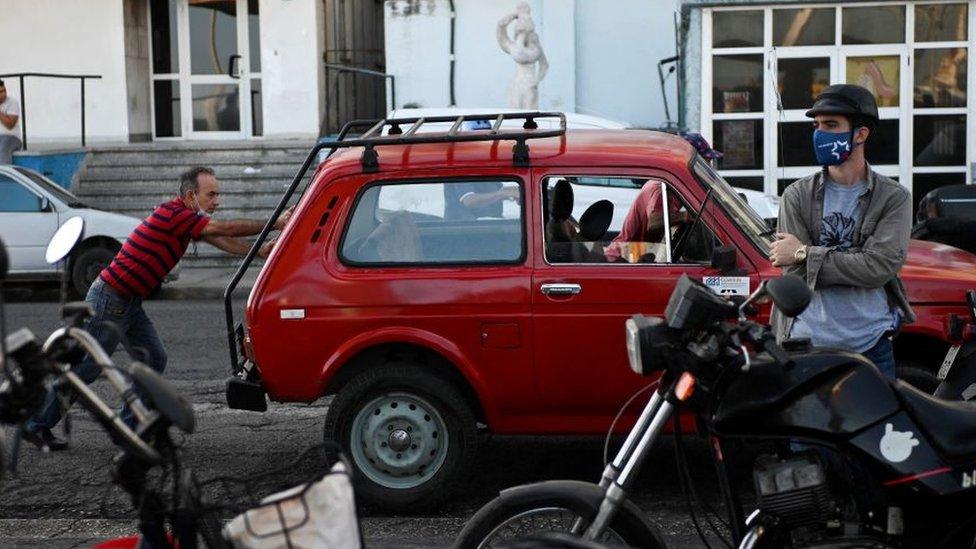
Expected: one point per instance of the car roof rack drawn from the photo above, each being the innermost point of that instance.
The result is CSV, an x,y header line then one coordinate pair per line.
x,y
374,137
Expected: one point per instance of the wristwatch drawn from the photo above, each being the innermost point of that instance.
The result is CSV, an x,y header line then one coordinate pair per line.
x,y
800,255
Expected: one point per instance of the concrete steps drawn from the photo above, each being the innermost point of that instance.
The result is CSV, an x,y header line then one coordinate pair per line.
x,y
134,179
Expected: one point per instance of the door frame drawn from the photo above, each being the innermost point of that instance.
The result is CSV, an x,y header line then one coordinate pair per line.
x,y
186,80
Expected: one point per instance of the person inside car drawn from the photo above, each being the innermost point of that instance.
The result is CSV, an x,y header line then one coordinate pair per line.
x,y
645,224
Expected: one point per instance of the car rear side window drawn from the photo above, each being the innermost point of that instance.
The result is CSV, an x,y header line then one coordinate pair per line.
x,y
436,223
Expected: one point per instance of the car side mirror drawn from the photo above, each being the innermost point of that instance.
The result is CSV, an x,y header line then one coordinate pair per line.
x,y
45,204
724,259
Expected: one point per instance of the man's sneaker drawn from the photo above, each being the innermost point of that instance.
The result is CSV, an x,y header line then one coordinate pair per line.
x,y
45,440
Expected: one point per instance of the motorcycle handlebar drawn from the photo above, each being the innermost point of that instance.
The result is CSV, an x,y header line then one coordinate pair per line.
x,y
108,417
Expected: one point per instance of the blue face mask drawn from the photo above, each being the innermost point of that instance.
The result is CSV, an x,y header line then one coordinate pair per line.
x,y
832,149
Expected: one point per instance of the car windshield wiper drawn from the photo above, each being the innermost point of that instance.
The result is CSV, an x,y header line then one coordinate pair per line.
x,y
78,204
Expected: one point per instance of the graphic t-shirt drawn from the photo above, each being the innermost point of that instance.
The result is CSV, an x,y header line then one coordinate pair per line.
x,y
847,317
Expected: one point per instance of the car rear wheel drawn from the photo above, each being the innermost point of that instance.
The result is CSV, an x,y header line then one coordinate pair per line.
x,y
410,434
86,267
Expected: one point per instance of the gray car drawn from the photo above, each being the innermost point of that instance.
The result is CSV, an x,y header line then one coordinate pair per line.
x,y
32,207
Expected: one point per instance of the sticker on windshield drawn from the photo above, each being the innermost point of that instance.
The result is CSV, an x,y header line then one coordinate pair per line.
x,y
728,285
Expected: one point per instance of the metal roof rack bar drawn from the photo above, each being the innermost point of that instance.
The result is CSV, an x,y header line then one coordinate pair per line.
x,y
413,129
456,126
396,136
498,123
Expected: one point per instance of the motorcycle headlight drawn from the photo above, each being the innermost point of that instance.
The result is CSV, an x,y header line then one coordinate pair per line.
x,y
648,341
633,346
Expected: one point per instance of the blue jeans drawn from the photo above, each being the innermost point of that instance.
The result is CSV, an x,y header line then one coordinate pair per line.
x,y
131,327
883,356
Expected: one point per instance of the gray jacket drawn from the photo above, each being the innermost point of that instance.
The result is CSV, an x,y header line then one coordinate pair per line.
x,y
881,239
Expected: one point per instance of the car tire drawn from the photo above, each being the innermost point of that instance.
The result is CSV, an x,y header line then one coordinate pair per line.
x,y
410,436
86,267
917,376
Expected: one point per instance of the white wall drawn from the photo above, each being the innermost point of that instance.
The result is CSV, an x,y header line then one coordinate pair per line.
x,y
417,42
602,54
418,52
618,46
69,37
291,67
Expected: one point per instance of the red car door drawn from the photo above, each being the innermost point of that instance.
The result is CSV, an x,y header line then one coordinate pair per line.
x,y
584,290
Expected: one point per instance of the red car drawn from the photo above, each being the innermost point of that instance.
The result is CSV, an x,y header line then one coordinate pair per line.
x,y
444,289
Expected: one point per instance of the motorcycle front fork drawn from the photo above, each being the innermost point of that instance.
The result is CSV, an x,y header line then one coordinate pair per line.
x,y
619,473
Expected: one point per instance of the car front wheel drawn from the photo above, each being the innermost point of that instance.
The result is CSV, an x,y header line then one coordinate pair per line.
x,y
86,267
410,434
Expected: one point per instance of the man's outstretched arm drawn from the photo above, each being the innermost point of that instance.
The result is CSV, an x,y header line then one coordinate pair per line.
x,y
237,246
243,227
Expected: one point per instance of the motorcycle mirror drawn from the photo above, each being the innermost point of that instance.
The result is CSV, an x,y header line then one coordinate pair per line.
x,y
790,294
64,240
163,397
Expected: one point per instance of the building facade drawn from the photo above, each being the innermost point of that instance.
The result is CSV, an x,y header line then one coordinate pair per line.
x,y
602,55
178,69
753,68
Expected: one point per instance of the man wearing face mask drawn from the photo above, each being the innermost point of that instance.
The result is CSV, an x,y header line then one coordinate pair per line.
x,y
845,230
150,252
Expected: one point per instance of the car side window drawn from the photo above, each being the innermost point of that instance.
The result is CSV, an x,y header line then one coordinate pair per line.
x,y
14,197
436,223
595,219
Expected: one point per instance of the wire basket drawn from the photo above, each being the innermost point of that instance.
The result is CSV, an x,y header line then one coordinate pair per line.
x,y
276,513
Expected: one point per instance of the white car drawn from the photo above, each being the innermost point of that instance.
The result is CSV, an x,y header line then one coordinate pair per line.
x,y
32,207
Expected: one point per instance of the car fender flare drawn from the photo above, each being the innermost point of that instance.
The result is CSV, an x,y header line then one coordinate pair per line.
x,y
414,336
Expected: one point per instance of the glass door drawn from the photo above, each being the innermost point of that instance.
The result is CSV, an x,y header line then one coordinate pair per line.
x,y
883,70
207,69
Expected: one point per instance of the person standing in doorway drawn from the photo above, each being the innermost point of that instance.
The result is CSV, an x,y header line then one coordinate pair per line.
x,y
9,126
150,252
845,230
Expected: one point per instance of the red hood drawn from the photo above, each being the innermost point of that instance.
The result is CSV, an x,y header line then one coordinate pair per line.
x,y
937,273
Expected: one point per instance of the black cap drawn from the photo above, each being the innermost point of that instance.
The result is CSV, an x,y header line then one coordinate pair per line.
x,y
845,99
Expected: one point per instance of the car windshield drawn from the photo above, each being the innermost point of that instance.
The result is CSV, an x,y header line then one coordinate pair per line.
x,y
51,187
742,214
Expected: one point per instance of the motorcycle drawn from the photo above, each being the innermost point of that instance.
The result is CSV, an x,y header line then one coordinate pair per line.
x,y
173,510
854,459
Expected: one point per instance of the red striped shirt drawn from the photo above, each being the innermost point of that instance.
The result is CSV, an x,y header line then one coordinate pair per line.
x,y
154,248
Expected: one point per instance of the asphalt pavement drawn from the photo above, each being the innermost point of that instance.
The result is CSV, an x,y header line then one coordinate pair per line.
x,y
68,500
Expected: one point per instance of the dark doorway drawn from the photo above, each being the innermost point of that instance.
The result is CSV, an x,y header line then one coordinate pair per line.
x,y
353,40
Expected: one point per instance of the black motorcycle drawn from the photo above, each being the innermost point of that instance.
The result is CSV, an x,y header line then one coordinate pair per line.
x,y
854,459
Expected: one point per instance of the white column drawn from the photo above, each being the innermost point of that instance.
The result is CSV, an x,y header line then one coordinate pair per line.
x,y
291,67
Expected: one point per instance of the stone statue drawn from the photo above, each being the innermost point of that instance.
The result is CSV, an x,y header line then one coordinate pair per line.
x,y
526,50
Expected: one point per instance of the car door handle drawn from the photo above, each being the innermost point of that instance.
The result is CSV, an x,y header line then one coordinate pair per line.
x,y
561,289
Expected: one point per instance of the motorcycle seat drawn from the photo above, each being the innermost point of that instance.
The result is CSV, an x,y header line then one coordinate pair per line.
x,y
950,424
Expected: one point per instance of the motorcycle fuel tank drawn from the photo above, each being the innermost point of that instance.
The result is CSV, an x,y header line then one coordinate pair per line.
x,y
825,393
